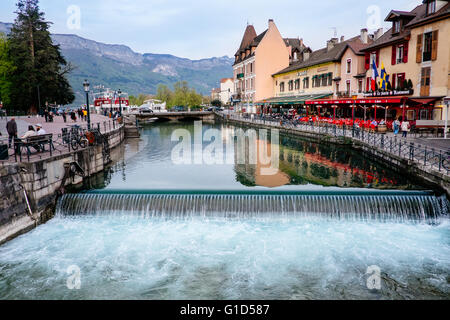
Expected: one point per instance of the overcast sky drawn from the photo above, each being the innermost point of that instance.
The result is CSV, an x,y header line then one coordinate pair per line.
x,y
198,29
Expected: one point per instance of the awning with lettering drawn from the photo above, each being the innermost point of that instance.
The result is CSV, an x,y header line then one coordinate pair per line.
x,y
356,101
292,100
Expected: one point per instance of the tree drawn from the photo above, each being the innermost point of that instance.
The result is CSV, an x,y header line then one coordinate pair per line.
x,y
194,99
216,103
40,69
139,100
6,67
163,93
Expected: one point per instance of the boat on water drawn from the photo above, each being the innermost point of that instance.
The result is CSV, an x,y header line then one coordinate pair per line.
x,y
107,100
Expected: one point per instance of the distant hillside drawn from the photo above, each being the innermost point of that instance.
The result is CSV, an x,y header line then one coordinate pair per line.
x,y
117,66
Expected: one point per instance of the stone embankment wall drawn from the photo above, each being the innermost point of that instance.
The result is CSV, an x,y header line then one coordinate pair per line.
x,y
40,182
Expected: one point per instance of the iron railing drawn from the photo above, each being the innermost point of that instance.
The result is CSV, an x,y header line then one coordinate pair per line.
x,y
67,139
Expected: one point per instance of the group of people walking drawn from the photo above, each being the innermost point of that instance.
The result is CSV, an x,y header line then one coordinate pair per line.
x,y
403,126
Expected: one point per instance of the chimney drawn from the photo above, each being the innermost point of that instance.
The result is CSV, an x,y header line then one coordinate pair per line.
x,y
331,43
271,23
301,42
364,36
378,34
342,38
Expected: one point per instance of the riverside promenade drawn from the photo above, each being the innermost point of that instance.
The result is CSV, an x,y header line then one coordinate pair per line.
x,y
100,122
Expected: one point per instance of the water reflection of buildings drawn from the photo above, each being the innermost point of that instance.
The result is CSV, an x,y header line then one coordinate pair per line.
x,y
252,163
303,163
332,166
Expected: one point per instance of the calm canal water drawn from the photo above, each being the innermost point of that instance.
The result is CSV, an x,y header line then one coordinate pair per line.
x,y
118,255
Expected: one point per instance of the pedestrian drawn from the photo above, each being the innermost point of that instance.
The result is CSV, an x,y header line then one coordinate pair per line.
x,y
40,130
73,116
396,126
85,114
46,114
11,128
64,116
405,128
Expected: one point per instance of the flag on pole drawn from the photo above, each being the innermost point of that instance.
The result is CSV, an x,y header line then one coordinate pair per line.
x,y
384,78
374,75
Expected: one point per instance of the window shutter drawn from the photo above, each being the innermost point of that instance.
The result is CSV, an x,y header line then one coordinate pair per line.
x,y
394,77
434,45
394,55
378,58
367,60
368,84
419,48
405,52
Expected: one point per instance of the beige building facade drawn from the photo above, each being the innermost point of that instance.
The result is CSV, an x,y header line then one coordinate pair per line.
x,y
257,59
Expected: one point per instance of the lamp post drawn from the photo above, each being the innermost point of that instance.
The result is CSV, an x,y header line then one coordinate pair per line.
x,y
86,89
120,102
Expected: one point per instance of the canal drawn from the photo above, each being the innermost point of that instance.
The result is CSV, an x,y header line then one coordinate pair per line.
x,y
214,211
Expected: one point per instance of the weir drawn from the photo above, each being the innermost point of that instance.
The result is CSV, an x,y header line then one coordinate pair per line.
x,y
382,206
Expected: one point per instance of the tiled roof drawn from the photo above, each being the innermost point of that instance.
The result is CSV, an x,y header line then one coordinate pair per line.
x,y
323,55
419,14
247,39
225,80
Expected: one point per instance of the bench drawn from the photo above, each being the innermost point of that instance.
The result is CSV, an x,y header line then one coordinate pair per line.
x,y
36,142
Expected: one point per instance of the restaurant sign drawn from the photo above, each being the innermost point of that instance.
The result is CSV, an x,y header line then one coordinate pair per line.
x,y
389,93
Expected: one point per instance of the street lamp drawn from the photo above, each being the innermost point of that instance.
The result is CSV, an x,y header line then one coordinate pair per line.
x,y
86,89
120,102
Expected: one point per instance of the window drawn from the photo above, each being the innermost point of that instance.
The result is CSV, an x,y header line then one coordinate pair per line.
x,y
295,55
360,86
425,81
427,46
251,84
349,65
397,24
306,83
373,57
400,54
337,86
324,80
291,85
348,87
297,84
330,79
281,86
431,7
251,67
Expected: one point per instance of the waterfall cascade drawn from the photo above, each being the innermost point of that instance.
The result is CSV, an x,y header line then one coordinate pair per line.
x,y
377,206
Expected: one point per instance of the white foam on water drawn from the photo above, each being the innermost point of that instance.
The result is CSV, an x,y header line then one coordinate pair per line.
x,y
132,258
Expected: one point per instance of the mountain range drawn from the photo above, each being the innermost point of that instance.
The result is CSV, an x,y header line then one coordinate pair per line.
x,y
119,67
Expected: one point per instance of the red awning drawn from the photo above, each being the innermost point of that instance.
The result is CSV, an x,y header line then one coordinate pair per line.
x,y
423,100
355,101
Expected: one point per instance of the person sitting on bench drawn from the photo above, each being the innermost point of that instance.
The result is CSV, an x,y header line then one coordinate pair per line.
x,y
30,133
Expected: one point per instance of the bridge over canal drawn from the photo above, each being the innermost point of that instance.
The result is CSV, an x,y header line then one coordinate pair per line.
x,y
175,116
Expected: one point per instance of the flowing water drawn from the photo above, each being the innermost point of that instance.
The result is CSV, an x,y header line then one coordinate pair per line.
x,y
316,229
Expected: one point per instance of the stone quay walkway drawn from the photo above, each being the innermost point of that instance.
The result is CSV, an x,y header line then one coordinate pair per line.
x,y
101,122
